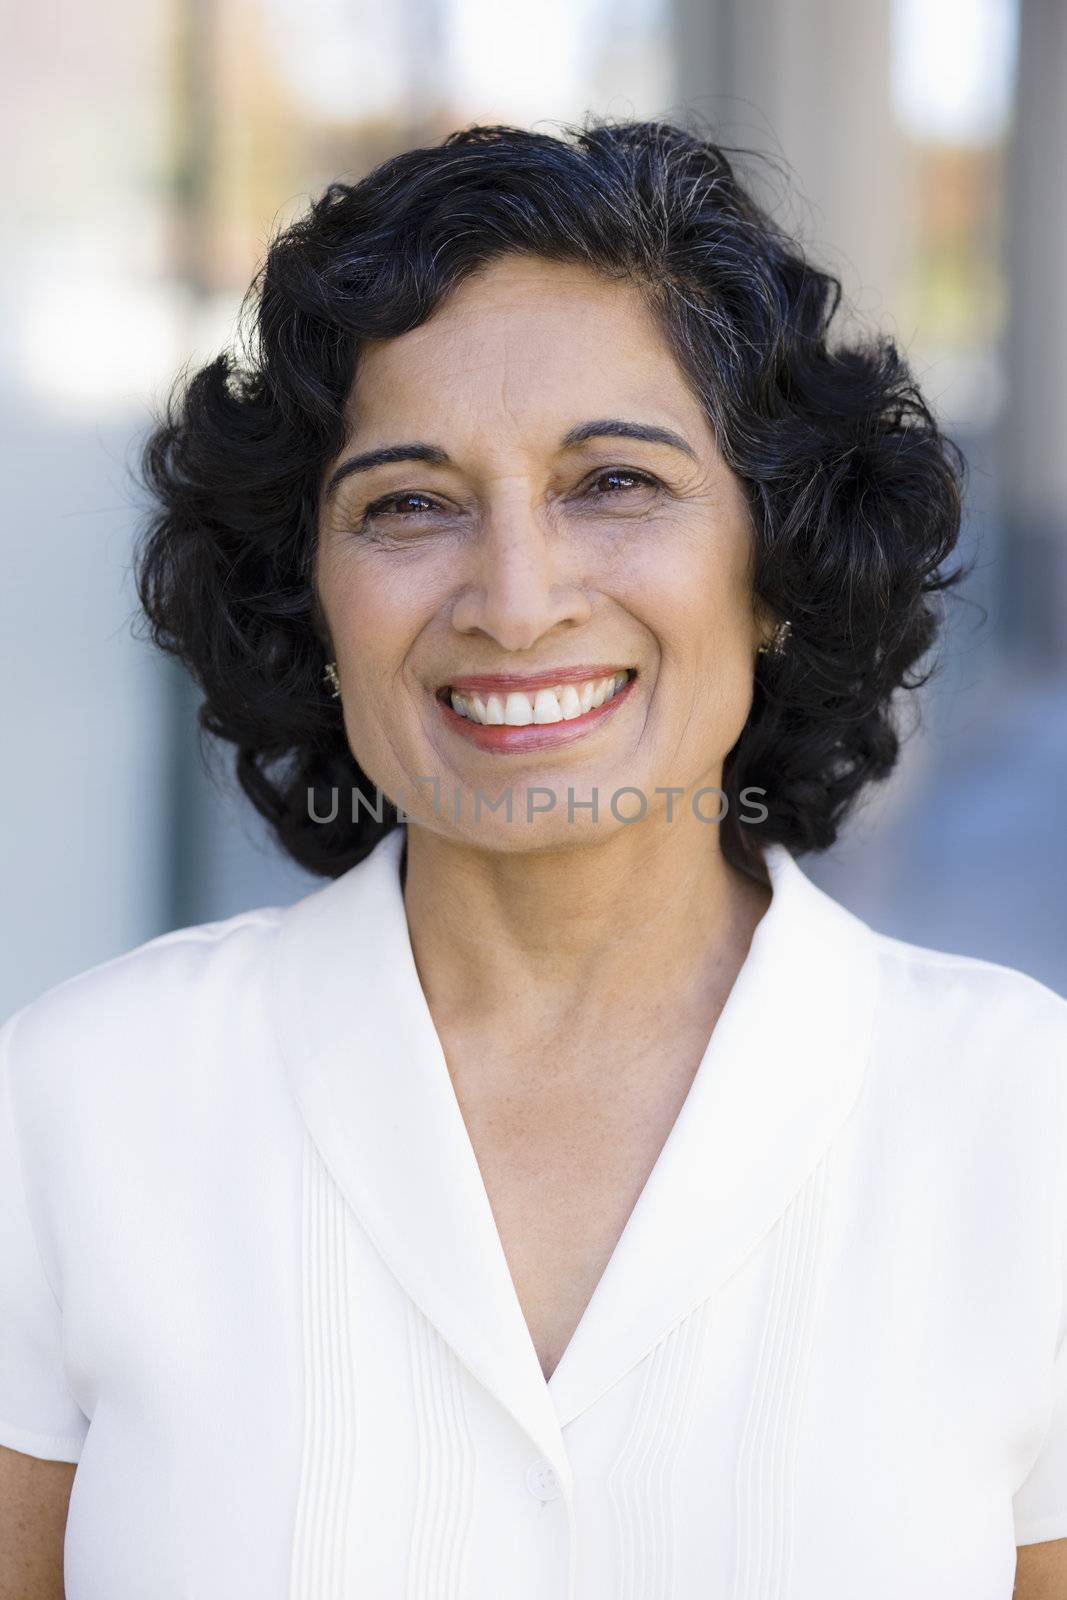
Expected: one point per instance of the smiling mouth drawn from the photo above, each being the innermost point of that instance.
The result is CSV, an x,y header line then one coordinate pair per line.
x,y
514,708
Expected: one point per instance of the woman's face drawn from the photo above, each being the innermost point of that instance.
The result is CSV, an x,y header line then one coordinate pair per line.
x,y
530,494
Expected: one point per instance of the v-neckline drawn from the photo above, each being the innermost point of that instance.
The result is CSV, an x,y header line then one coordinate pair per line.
x,y
781,1070
661,1155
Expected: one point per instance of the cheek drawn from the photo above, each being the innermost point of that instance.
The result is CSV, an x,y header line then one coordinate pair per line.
x,y
695,599
694,595
375,617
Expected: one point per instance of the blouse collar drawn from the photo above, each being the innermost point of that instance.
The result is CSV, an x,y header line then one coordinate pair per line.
x,y
781,1072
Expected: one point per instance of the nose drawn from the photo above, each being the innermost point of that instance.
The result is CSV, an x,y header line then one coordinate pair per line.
x,y
520,582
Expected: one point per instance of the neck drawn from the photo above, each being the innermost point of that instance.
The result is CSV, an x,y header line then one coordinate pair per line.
x,y
647,922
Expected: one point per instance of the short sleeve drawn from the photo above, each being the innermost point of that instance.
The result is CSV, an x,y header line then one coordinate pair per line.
x,y
38,1415
1040,1504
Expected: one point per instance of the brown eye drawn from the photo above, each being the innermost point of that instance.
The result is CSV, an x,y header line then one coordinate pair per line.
x,y
622,480
622,484
398,505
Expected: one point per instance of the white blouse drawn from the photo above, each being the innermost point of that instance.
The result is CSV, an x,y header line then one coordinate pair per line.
x,y
250,1281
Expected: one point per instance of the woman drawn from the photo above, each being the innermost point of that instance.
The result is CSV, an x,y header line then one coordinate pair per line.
x,y
568,1198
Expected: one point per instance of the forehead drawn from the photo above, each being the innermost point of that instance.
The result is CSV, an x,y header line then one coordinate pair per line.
x,y
526,339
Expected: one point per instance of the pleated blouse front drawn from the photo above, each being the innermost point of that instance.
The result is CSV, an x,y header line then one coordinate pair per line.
x,y
251,1282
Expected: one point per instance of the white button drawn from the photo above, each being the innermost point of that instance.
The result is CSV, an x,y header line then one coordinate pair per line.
x,y
542,1481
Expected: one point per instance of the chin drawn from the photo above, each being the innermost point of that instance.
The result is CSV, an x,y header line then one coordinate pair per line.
x,y
526,830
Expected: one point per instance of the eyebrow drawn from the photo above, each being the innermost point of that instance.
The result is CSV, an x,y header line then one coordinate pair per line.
x,y
432,455
612,428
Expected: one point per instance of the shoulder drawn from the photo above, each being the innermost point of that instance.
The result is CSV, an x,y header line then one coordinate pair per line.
x,y
965,994
927,1000
970,1039
137,1006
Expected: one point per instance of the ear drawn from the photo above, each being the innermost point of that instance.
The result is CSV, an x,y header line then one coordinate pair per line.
x,y
764,625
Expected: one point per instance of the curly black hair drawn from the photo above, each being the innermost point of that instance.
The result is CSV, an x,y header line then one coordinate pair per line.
x,y
855,493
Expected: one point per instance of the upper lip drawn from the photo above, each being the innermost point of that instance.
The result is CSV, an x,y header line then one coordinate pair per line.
x,y
504,682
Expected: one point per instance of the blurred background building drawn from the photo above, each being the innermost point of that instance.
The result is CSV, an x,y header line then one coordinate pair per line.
x,y
152,148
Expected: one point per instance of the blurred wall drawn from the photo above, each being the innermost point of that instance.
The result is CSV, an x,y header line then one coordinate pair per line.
x,y
1033,453
86,807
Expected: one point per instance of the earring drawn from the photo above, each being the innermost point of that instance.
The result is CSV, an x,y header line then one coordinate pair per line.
x,y
775,646
332,679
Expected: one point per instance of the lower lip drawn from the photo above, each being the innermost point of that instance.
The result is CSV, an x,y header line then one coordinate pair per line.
x,y
533,735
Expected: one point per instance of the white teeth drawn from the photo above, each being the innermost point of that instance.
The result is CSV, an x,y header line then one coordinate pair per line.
x,y
517,710
546,706
570,703
562,703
